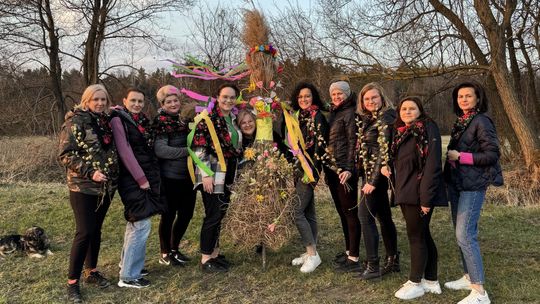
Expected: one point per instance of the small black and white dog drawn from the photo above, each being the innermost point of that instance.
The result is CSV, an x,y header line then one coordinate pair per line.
x,y
34,243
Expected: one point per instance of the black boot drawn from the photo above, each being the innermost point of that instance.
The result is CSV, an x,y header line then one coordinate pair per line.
x,y
74,293
391,265
372,270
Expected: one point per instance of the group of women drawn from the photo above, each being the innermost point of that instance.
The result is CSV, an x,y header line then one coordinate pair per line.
x,y
364,139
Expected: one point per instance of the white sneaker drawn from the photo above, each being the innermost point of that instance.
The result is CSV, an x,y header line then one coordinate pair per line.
x,y
300,260
476,298
410,290
312,261
462,283
431,286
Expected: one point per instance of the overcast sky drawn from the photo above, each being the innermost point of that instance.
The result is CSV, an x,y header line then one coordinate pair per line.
x,y
178,24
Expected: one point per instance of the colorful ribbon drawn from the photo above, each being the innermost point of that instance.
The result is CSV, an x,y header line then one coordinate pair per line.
x,y
215,141
294,136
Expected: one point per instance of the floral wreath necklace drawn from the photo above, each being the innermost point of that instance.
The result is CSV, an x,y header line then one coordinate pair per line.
x,y
362,149
418,130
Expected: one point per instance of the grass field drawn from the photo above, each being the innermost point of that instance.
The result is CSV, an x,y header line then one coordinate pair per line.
x,y
509,238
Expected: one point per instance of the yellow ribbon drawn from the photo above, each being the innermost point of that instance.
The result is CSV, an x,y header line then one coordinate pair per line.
x,y
215,141
294,131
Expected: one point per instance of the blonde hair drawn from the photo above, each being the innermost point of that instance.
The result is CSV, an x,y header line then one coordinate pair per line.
x,y
386,103
243,113
88,94
166,91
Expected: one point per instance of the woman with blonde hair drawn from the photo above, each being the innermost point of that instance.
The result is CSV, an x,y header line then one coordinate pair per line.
x,y
171,131
89,155
375,119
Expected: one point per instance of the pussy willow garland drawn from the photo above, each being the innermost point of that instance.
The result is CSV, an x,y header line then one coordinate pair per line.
x,y
90,152
327,159
90,159
363,156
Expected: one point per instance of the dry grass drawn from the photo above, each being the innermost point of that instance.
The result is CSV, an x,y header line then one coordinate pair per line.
x,y
29,159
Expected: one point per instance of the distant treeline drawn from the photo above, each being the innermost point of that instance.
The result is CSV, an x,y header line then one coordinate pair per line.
x,y
29,105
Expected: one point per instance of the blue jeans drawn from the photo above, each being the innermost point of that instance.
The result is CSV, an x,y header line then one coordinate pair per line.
x,y
466,207
134,249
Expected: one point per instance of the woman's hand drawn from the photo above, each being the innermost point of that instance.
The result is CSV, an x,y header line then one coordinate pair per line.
x,y
452,155
208,184
425,210
99,177
344,176
367,189
386,171
145,186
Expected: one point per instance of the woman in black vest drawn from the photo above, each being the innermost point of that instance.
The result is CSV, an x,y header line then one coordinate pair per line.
x,y
419,187
472,165
171,131
138,184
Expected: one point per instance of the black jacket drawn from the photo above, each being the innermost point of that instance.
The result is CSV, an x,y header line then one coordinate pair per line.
x,y
480,139
138,203
342,134
429,190
371,144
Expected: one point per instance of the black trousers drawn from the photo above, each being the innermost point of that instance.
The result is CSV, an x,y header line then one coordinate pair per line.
x,y
345,201
376,205
89,211
215,207
423,250
181,199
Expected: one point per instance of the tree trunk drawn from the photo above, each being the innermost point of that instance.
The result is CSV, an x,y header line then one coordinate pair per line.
x,y
55,67
524,134
509,97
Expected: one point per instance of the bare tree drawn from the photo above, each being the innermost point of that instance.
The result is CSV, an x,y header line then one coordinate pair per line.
x,y
76,30
438,35
215,34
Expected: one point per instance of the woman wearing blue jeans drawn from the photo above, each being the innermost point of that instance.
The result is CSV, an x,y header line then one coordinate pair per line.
x,y
472,164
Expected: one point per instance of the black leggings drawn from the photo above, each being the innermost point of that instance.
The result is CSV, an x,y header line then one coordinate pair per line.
x,y
422,246
181,199
377,205
88,220
345,201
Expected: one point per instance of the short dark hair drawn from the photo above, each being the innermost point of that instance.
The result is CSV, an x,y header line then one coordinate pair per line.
x,y
482,102
314,94
228,85
418,102
134,89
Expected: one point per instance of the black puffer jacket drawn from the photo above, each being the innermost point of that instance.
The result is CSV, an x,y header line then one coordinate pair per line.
x,y
342,134
371,145
429,190
480,139
138,203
